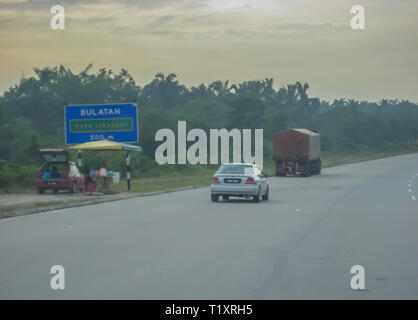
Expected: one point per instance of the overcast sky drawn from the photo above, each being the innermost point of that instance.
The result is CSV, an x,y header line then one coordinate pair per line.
x,y
236,40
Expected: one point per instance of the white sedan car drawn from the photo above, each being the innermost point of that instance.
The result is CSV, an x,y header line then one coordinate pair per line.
x,y
243,180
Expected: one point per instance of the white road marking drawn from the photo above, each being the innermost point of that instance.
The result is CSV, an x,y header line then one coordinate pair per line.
x,y
298,210
410,186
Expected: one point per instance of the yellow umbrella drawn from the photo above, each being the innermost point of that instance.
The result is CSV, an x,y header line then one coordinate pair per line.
x,y
98,145
106,145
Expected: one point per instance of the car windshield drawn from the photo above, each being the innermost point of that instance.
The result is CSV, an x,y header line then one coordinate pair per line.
x,y
58,157
235,169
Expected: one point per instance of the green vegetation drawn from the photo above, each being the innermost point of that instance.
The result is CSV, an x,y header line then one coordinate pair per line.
x,y
15,175
31,116
171,182
332,159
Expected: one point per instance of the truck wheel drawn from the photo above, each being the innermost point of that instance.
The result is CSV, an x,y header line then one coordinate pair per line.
x,y
41,191
307,172
319,167
225,198
214,197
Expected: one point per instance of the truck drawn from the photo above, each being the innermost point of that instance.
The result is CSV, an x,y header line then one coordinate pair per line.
x,y
297,152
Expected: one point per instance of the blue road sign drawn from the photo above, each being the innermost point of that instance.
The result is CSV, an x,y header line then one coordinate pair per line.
x,y
114,122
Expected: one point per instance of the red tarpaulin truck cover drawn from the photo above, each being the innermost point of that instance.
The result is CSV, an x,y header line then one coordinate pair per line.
x,y
296,145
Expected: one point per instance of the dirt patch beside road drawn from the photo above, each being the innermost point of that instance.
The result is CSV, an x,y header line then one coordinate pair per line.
x,y
12,205
8,200
20,204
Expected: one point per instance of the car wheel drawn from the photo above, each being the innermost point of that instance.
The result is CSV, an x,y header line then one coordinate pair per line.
x,y
41,191
256,198
225,198
266,195
214,197
74,188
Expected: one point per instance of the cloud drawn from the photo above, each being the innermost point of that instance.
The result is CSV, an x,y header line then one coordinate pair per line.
x,y
306,27
298,39
37,5
11,1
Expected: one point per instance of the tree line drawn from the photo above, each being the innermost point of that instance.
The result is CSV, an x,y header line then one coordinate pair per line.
x,y
31,112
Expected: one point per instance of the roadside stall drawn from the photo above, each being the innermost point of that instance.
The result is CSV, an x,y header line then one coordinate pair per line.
x,y
103,176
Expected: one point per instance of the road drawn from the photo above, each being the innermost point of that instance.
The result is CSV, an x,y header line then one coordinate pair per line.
x,y
301,244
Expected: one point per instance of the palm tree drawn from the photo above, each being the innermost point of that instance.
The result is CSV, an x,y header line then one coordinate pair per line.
x,y
302,92
220,89
164,91
202,91
291,95
339,103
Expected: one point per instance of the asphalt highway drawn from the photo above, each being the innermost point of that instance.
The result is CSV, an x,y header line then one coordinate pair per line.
x,y
301,244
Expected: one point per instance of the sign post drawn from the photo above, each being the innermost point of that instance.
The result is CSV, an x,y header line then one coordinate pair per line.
x,y
114,122
128,171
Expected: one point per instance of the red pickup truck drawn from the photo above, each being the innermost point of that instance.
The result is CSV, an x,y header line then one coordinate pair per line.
x,y
58,173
